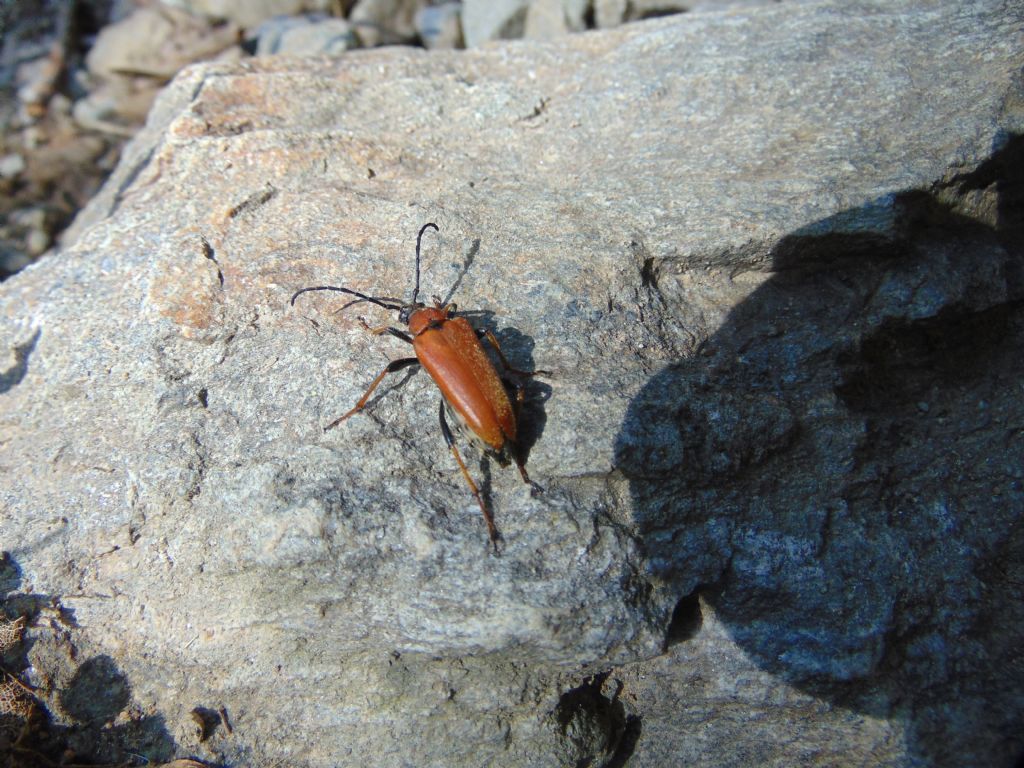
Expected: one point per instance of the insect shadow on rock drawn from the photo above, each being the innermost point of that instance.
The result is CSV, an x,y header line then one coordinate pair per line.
x,y
473,393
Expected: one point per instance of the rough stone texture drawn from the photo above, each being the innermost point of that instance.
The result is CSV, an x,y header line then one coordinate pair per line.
x,y
776,273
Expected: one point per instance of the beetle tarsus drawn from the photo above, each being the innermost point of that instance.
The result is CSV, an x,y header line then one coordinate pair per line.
x,y
535,490
380,330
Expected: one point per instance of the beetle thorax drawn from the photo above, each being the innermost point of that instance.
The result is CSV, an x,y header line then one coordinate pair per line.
x,y
424,318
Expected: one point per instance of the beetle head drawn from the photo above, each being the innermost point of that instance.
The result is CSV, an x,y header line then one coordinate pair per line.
x,y
406,312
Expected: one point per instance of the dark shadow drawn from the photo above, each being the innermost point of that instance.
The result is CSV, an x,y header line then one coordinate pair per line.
x,y
600,730
12,377
96,701
517,347
467,262
207,721
10,573
631,732
27,606
97,692
686,619
531,416
840,466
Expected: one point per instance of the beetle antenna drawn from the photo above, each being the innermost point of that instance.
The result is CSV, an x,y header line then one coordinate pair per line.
x,y
361,296
397,302
419,238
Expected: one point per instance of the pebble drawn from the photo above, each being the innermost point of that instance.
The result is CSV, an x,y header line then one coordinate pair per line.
x,y
36,242
440,26
304,36
385,22
11,165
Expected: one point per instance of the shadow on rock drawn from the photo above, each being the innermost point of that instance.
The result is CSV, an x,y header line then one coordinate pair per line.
x,y
596,726
838,471
94,696
97,693
12,377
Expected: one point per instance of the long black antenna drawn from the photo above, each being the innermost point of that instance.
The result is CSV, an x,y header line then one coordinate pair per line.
x,y
339,289
419,237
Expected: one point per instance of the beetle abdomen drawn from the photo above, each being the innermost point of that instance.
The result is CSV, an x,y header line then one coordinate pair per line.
x,y
455,360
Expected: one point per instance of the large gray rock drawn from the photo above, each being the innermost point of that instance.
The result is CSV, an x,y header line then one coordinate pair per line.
x,y
772,261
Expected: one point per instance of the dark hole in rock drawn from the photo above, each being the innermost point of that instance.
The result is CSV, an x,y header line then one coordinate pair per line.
x,y
686,620
206,721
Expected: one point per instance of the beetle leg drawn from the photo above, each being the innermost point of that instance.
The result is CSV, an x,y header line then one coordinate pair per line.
x,y
394,365
492,531
501,355
534,488
517,457
513,450
387,329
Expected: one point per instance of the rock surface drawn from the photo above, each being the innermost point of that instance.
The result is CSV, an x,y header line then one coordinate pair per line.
x,y
777,276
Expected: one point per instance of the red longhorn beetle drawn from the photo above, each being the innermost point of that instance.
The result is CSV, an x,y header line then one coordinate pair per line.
x,y
471,389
